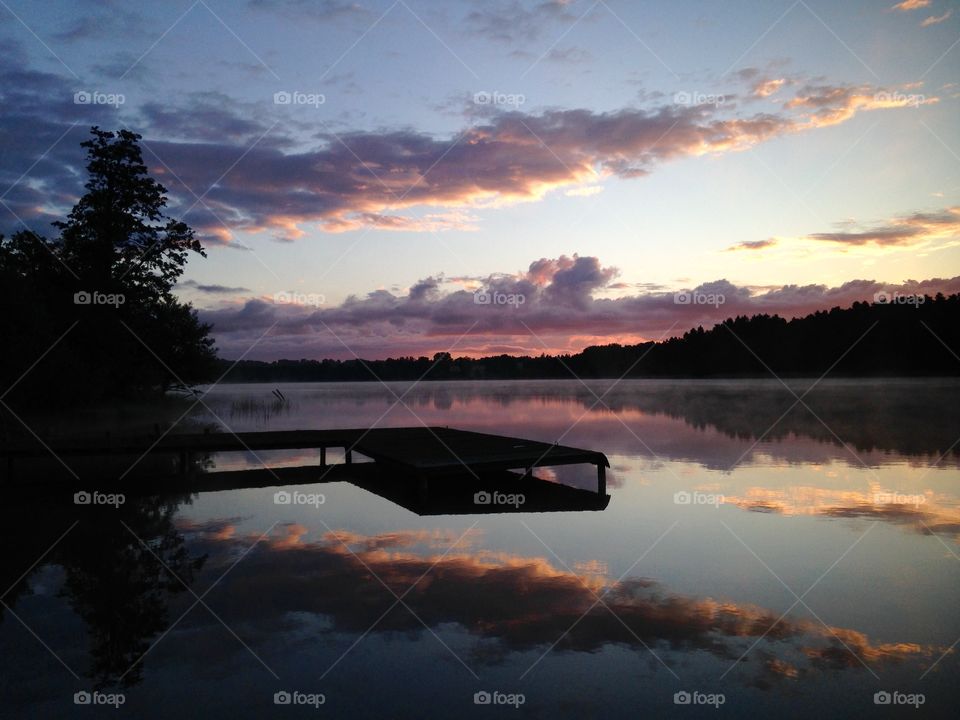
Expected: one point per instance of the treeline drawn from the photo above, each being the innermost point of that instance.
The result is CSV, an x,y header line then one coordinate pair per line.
x,y
867,339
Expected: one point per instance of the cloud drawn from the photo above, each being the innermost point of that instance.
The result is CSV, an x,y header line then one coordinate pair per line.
x,y
752,245
516,603
766,88
565,306
569,55
213,289
936,19
256,181
314,10
102,20
904,230
367,179
212,116
833,104
513,22
584,191
908,5
923,512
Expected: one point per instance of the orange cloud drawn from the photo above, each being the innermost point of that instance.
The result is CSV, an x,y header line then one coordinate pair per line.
x,y
523,602
766,88
923,511
832,105
292,538
378,179
908,5
936,19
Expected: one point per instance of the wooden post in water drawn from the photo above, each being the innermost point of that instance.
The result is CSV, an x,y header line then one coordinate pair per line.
x,y
323,456
348,456
601,479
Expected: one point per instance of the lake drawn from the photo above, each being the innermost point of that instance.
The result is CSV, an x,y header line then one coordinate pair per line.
x,y
768,548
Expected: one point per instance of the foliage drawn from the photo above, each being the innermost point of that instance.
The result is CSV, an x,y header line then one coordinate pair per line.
x,y
94,308
867,339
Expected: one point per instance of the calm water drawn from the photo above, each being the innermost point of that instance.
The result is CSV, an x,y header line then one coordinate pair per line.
x,y
763,556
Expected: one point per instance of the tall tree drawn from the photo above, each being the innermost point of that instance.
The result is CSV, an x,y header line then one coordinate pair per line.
x,y
111,272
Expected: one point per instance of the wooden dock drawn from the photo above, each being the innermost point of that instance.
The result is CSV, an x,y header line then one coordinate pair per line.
x,y
422,452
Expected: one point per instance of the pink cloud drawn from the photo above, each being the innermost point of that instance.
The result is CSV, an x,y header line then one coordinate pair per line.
x,y
382,179
561,311
908,229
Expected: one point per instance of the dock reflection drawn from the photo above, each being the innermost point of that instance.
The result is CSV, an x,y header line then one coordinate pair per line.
x,y
504,492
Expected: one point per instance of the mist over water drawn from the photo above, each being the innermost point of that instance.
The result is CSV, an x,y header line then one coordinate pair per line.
x,y
757,553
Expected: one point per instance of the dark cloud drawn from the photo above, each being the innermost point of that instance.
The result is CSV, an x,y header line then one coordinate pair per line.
x,y
903,230
252,180
753,245
213,289
204,116
354,178
425,289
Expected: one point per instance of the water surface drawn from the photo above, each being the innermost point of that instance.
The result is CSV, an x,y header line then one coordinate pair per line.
x,y
781,555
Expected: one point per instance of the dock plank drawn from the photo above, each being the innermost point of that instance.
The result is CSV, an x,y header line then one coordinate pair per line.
x,y
421,451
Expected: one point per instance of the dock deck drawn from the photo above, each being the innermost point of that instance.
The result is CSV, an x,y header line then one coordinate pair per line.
x,y
425,452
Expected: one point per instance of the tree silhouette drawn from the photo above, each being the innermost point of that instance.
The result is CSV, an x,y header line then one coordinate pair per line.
x,y
123,569
868,339
107,283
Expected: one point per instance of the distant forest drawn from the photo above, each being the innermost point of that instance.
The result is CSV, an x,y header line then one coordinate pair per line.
x,y
867,339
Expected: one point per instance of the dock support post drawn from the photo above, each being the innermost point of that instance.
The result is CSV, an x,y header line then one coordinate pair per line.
x,y
323,456
184,461
348,456
601,479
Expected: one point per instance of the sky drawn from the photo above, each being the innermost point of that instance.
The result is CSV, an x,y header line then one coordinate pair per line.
x,y
378,179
